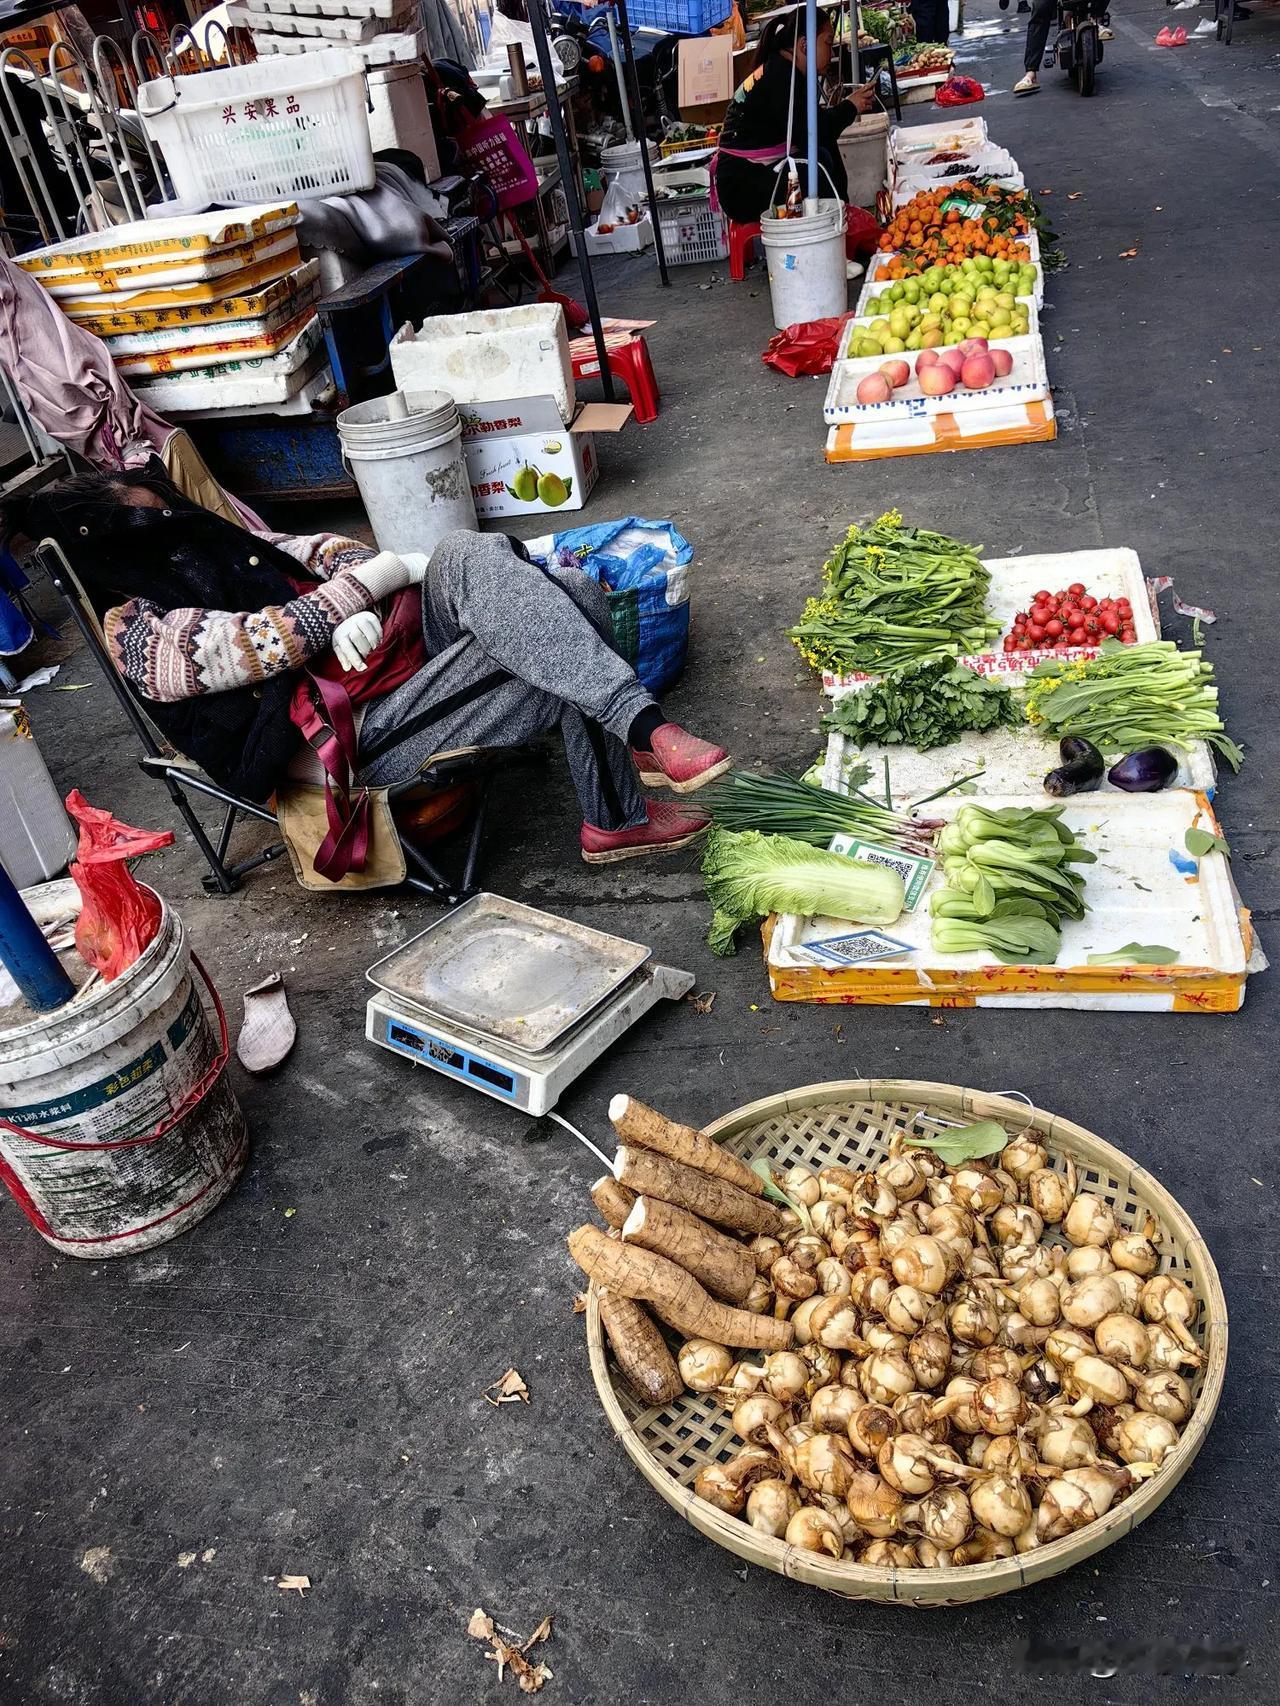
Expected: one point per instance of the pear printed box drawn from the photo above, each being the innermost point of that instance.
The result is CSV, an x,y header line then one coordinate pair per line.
x,y
522,459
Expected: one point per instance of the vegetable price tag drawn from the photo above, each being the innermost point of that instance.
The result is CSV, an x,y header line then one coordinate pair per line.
x,y
966,209
914,869
857,947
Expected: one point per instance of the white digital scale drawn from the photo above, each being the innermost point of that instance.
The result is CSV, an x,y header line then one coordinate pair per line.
x,y
513,1001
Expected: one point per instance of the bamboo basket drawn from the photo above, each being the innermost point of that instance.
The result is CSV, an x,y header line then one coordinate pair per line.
x,y
850,1123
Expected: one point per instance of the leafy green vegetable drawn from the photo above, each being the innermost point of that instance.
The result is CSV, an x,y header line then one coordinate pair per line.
x,y
924,704
762,1171
1129,697
893,593
749,875
1136,954
1010,880
776,804
965,1142
1014,941
1201,841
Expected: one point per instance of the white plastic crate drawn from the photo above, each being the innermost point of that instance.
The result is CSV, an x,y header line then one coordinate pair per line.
x,y
1026,382
291,129
692,231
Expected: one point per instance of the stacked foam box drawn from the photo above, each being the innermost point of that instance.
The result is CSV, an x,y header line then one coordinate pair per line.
x,y
1017,408
201,313
382,32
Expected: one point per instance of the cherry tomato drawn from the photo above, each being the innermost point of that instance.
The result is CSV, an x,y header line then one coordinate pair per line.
x,y
1109,622
1077,636
1128,636
1010,644
1071,617
1124,609
1041,598
1091,626
1076,589
1036,632
1053,628
1088,602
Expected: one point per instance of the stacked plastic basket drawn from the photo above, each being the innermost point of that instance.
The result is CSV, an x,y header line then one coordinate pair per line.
x,y
1016,408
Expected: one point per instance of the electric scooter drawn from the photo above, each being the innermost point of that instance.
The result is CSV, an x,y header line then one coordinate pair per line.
x,y
1077,47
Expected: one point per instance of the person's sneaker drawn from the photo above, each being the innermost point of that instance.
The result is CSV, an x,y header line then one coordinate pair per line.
x,y
1028,85
1106,34
666,829
680,761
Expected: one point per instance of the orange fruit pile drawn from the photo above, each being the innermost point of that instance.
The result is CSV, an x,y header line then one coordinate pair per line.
x,y
921,236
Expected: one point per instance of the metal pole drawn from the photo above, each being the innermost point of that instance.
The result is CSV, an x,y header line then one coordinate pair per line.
x,y
31,962
568,177
811,99
618,73
638,115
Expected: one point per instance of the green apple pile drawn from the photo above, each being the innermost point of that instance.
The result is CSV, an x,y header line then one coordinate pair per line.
x,y
946,305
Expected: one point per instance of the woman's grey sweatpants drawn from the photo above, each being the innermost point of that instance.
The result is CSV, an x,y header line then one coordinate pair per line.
x,y
515,650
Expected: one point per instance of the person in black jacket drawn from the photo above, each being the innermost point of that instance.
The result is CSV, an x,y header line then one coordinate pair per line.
x,y
756,135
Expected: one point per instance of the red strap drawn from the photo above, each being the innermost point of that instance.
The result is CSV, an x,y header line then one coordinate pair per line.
x,y
346,846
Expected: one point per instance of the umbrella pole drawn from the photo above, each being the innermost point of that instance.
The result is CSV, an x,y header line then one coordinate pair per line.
x,y
811,99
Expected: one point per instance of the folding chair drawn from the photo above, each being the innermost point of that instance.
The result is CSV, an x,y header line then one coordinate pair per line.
x,y
181,775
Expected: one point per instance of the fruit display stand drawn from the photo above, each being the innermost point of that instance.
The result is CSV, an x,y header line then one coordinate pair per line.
x,y
1139,890
1108,573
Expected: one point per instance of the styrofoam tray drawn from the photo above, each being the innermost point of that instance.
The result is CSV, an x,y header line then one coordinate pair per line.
x,y
855,327
333,8
382,50
905,140
907,184
152,241
356,30
314,385
1110,573
919,89
145,276
877,275
1012,761
1143,888
930,435
261,379
872,286
215,351
1025,383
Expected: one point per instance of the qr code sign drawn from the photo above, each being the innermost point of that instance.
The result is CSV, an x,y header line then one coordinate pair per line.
x,y
872,856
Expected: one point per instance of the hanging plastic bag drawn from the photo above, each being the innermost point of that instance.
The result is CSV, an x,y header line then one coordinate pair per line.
x,y
958,92
118,917
643,566
807,348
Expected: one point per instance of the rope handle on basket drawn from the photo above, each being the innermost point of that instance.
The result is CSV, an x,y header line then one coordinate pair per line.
x,y
198,1091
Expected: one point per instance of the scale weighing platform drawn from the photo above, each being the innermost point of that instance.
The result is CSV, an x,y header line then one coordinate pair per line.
x,y
513,1001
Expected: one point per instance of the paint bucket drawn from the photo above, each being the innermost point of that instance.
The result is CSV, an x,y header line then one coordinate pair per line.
x,y
407,460
806,264
119,1127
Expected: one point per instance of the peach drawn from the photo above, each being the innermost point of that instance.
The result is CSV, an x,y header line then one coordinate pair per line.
x,y
978,371
938,380
1002,361
896,372
875,388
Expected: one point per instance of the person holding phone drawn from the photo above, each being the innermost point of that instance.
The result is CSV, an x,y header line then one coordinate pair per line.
x,y
766,121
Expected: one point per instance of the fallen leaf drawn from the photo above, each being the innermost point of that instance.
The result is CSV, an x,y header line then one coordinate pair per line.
x,y
704,1002
579,1302
1074,195
185,1560
1127,254
289,1213
509,1389
298,1584
541,1633
98,1562
837,1032
533,1680
938,1020
480,1627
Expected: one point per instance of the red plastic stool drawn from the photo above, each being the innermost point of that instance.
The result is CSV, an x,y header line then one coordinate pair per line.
x,y
628,361
741,247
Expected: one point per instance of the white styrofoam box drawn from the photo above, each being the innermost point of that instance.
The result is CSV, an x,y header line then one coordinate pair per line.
x,y
877,275
400,114
363,29
315,388
401,49
488,355
1026,382
622,240
906,140
245,385
1110,573
917,90
855,327
332,8
1011,761
218,263
873,283
143,242
1138,891
36,835
908,184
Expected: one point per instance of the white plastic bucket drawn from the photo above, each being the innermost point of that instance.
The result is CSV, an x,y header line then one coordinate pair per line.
x,y
408,463
806,264
119,1127
624,164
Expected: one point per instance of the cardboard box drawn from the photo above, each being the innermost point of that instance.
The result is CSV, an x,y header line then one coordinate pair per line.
x,y
713,112
706,70
522,460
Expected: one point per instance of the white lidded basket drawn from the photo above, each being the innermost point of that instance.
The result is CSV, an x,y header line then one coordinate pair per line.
x,y
281,129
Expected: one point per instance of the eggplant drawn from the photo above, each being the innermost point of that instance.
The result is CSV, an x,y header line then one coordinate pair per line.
x,y
1080,771
1144,772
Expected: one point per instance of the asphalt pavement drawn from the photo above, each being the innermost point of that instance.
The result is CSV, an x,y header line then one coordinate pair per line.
x,y
295,1386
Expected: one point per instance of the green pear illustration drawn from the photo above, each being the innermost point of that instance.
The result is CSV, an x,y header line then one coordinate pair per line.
x,y
554,491
526,485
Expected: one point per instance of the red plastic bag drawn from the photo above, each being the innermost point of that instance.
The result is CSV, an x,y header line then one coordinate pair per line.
x,y
118,917
958,92
861,233
808,347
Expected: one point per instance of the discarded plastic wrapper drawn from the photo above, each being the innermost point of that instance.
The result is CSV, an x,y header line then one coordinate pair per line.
x,y
119,918
1164,583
